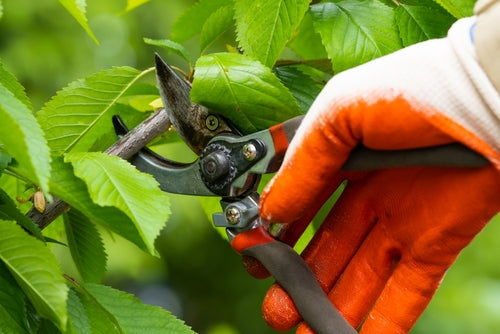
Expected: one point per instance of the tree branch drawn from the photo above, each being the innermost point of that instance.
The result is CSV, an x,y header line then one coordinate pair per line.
x,y
124,148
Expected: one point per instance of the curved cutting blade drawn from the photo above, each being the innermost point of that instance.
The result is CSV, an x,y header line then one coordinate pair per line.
x,y
195,124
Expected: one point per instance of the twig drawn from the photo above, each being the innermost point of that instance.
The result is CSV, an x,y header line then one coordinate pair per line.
x,y
124,148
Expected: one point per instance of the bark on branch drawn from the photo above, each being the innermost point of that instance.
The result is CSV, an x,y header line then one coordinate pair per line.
x,y
124,148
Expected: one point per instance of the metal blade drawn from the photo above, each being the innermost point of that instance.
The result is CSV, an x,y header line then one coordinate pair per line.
x,y
195,124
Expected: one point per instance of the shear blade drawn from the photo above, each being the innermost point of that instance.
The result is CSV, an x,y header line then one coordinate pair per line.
x,y
194,123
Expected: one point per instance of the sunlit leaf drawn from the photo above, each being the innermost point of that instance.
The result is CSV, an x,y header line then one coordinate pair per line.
x,y
131,315
307,42
78,114
458,8
132,4
35,269
114,182
265,26
242,90
20,133
421,21
191,21
77,9
86,246
171,46
350,33
216,25
74,192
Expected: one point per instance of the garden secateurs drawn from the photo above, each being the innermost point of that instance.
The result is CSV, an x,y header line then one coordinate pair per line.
x,y
230,166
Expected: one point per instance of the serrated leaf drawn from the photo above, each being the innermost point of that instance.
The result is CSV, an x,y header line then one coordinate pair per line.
x,y
458,8
35,269
22,136
115,182
76,116
215,25
132,316
303,87
9,211
73,191
242,90
79,322
10,82
77,9
350,34
422,21
265,26
191,21
307,43
12,304
171,46
86,246
132,4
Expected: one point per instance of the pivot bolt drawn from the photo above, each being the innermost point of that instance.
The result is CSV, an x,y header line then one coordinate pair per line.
x,y
233,215
249,152
212,122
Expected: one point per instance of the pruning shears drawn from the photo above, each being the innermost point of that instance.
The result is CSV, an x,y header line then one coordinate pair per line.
x,y
230,166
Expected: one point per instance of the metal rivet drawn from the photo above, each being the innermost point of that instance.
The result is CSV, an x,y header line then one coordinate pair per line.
x,y
212,122
249,152
233,215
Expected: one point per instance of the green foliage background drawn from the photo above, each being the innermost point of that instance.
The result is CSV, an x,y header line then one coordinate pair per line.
x,y
199,278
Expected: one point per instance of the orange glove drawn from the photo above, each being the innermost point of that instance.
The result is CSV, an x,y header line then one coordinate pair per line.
x,y
387,243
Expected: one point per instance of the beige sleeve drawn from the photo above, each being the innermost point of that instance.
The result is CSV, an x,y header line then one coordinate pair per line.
x,y
487,38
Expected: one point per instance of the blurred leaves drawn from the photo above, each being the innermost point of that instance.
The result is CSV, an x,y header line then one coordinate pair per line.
x,y
77,9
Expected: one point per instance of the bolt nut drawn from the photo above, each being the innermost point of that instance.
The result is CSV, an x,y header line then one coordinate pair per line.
x,y
249,152
233,215
212,122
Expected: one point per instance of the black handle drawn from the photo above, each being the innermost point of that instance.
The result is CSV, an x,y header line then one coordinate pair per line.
x,y
293,274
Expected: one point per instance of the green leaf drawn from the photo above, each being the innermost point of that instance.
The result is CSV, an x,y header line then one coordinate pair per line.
x,y
216,25
302,86
73,191
76,116
191,21
458,8
307,43
350,33
77,9
78,320
35,269
132,4
21,135
12,304
171,46
86,246
131,315
10,82
422,21
115,182
265,26
9,211
1,9
242,90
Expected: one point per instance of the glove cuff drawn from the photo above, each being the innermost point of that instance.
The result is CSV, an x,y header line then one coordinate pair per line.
x,y
487,39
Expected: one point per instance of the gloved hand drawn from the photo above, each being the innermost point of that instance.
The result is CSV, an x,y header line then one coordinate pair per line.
x,y
387,243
